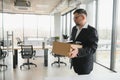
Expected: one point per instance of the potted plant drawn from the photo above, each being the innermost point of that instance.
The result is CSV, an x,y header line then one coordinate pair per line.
x,y
57,38
65,37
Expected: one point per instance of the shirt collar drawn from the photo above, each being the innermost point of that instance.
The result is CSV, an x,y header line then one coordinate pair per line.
x,y
85,26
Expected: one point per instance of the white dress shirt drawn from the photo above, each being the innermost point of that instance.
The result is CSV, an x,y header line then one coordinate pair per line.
x,y
79,30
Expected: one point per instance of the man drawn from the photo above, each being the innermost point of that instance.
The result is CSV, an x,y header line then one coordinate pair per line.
x,y
86,35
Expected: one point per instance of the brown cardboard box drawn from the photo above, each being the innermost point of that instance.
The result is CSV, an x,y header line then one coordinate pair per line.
x,y
62,48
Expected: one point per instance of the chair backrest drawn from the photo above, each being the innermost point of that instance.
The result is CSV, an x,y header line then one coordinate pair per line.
x,y
1,43
2,54
27,51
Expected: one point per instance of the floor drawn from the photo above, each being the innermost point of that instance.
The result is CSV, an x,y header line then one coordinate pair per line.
x,y
43,73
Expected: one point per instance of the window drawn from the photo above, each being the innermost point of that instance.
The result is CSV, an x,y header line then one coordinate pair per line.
x,y
117,63
28,25
0,26
104,30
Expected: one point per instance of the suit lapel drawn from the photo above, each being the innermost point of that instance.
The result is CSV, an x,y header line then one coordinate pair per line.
x,y
74,34
81,34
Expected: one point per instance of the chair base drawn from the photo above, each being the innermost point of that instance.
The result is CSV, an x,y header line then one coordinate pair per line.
x,y
58,62
28,64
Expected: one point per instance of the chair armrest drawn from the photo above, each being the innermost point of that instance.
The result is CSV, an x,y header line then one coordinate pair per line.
x,y
4,53
34,52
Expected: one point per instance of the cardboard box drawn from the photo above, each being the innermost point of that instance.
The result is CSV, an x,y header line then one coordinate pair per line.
x,y
62,48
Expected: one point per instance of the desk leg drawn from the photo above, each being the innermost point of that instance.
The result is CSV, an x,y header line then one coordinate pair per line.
x,y
15,58
45,57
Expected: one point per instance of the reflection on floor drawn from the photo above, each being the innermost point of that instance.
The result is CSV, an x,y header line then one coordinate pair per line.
x,y
40,72
103,57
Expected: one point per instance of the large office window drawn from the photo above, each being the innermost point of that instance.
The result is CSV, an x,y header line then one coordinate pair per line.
x,y
72,21
28,25
52,29
91,10
0,26
68,24
11,24
39,26
117,63
0,20
44,25
104,30
64,24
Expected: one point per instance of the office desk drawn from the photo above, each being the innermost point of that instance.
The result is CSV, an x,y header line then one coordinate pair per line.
x,y
15,55
102,76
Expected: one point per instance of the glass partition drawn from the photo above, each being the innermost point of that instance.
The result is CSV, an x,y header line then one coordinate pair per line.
x,y
104,30
64,24
27,25
68,24
1,20
117,63
0,26
72,21
1,73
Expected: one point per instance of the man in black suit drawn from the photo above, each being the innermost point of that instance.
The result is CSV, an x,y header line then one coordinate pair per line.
x,y
86,35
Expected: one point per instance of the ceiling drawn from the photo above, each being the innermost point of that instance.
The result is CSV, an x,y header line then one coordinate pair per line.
x,y
40,6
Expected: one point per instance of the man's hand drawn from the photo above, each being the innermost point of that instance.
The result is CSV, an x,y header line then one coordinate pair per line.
x,y
73,52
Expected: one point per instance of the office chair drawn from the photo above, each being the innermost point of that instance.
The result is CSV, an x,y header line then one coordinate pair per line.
x,y
58,61
20,42
2,56
27,53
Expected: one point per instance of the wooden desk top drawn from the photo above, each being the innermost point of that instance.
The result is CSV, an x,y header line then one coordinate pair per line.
x,y
34,47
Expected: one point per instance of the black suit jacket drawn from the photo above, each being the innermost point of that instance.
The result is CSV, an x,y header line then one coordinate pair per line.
x,y
83,63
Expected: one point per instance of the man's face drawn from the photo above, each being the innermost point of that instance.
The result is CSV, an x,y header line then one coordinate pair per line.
x,y
78,18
